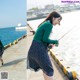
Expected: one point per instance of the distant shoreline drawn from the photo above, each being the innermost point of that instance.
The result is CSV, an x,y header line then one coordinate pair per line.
x,y
44,16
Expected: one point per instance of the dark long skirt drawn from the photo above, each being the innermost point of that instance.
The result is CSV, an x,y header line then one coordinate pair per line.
x,y
38,58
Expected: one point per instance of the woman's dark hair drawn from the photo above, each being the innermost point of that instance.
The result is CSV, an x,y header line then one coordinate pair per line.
x,y
51,15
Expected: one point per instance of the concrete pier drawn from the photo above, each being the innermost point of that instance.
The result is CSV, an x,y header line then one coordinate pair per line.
x,y
15,62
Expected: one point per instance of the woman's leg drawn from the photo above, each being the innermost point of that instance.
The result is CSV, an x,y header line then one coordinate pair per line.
x,y
1,60
47,77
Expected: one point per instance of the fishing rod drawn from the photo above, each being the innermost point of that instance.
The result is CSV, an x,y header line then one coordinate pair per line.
x,y
50,46
66,33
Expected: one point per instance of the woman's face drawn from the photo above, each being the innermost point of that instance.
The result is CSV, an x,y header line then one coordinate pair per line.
x,y
56,21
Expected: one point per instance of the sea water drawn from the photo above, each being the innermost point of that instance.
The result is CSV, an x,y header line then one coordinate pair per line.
x,y
9,34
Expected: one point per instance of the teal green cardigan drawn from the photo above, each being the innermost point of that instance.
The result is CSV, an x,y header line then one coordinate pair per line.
x,y
43,32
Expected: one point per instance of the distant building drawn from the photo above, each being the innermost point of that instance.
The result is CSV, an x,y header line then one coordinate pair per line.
x,y
51,6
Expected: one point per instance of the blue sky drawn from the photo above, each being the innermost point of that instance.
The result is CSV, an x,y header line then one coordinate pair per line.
x,y
12,12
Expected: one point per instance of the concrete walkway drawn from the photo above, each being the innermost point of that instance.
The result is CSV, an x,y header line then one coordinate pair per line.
x,y
15,62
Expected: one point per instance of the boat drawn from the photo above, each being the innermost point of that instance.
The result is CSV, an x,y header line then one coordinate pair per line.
x,y
20,27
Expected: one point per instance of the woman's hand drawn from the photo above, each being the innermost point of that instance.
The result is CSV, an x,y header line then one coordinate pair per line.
x,y
50,46
56,43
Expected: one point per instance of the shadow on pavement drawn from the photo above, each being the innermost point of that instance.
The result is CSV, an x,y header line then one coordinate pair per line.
x,y
13,62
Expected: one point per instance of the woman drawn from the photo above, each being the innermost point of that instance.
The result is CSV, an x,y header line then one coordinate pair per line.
x,y
1,52
38,57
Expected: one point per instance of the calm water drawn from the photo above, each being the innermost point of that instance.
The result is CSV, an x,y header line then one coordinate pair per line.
x,y
69,45
8,35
